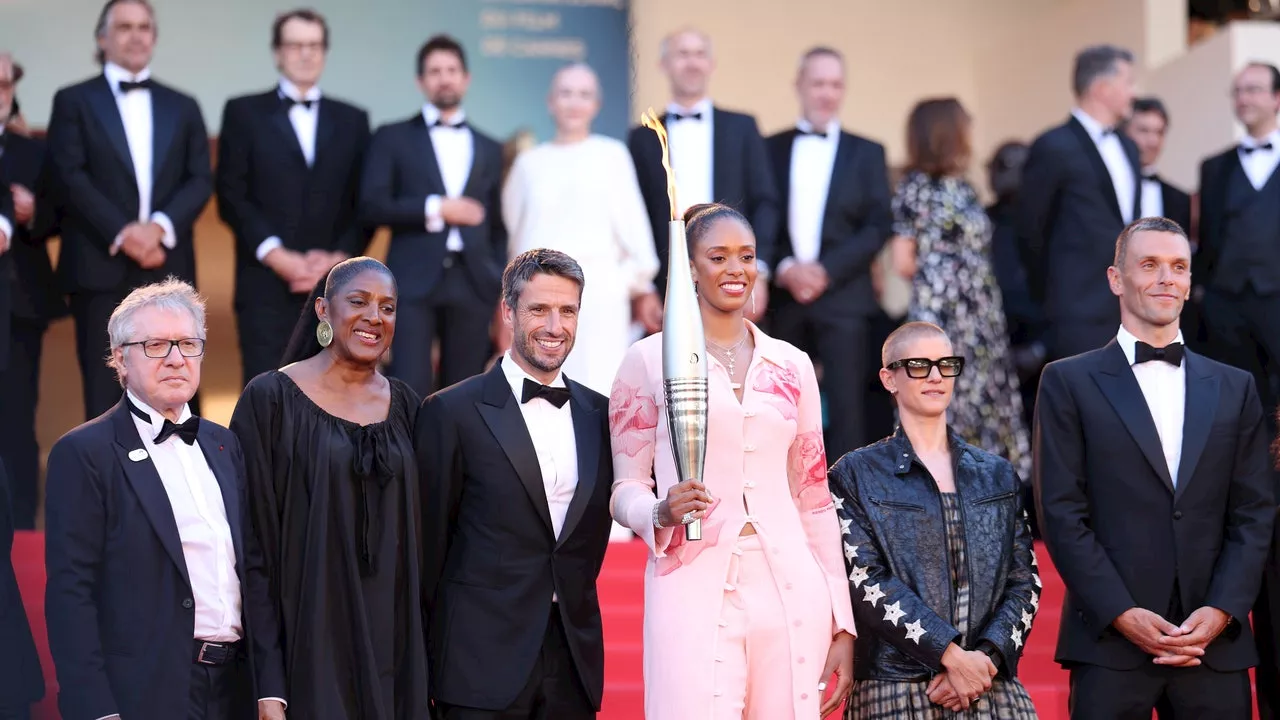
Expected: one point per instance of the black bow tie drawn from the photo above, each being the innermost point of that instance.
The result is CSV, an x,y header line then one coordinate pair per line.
x,y
557,396
1171,353
1247,150
453,126
186,430
126,86
678,116
815,133
290,102
1153,177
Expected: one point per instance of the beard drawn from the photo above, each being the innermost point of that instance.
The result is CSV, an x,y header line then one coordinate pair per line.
x,y
528,348
447,99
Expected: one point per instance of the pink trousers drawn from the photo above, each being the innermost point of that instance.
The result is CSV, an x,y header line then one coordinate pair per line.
x,y
753,676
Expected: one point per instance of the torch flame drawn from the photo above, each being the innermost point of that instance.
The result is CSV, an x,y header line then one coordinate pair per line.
x,y
650,120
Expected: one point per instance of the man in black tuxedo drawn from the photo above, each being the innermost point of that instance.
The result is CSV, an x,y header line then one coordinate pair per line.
x,y
157,601
1079,190
436,182
29,299
516,474
288,184
717,155
21,679
1240,274
131,160
1155,501
1239,230
836,217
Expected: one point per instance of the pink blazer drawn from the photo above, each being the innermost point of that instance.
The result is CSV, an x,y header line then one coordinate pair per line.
x,y
765,462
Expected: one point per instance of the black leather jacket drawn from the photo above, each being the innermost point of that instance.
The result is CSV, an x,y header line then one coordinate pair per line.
x,y
895,548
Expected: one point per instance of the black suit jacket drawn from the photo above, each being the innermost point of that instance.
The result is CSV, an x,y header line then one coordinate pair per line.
x,y
855,225
740,176
490,562
118,600
1214,174
265,188
27,286
1177,204
400,171
21,679
1068,222
98,192
1120,531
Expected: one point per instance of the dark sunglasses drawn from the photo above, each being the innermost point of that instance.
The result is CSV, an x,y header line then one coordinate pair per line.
x,y
920,368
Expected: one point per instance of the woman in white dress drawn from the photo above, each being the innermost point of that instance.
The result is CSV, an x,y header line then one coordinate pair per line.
x,y
578,194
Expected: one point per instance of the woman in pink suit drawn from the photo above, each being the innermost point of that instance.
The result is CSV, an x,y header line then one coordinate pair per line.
x,y
752,621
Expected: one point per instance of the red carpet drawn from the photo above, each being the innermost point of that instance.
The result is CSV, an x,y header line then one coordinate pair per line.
x,y
622,600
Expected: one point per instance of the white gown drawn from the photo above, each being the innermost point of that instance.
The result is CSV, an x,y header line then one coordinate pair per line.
x,y
583,199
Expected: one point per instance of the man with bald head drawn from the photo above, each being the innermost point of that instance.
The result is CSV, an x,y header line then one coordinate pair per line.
x,y
717,155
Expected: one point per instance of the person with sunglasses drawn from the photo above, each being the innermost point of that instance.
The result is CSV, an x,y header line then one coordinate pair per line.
x,y
942,574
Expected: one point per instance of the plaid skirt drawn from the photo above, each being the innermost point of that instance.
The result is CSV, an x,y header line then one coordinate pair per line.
x,y
901,700
893,700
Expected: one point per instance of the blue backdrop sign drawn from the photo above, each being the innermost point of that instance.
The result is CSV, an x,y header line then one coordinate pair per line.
x,y
515,46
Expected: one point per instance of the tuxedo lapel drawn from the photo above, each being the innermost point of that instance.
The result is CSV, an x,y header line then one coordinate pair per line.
x,y
224,470
147,486
501,413
839,174
479,158
721,152
1116,380
1090,149
103,104
326,126
1201,406
164,126
426,151
279,116
586,434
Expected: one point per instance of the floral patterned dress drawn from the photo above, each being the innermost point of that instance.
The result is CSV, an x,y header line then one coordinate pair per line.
x,y
955,288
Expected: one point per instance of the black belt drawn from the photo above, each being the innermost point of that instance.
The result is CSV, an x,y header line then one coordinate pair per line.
x,y
215,653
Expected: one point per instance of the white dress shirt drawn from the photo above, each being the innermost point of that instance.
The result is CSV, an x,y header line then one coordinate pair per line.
x,y
1152,201
1260,164
1165,388
692,154
813,158
196,499
551,429
455,152
304,120
138,120
1114,157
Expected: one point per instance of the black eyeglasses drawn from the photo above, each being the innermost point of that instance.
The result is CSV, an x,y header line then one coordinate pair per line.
x,y
189,347
920,368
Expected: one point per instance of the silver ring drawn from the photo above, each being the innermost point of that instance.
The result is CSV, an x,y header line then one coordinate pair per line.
x,y
687,518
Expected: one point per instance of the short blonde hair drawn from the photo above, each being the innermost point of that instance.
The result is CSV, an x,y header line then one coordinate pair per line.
x,y
173,295
898,339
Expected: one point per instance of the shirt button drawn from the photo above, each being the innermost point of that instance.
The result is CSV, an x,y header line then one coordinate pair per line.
x,y
188,603
749,448
1177,514
800,661
797,623
804,696
750,413
788,586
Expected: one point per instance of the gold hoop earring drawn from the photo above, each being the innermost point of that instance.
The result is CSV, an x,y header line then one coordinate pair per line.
x,y
324,333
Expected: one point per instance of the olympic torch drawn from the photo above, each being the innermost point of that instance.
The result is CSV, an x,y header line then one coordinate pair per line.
x,y
684,348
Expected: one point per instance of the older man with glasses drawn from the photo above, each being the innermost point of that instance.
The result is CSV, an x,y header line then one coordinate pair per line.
x,y
157,601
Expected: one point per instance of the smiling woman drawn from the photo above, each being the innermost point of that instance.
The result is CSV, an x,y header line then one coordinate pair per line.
x,y
328,444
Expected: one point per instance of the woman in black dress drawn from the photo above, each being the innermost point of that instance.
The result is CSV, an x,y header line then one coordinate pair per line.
x,y
328,444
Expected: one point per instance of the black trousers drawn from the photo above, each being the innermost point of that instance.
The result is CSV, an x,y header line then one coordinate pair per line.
x,y
264,331
455,314
102,390
19,394
1198,693
554,691
222,692
839,343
